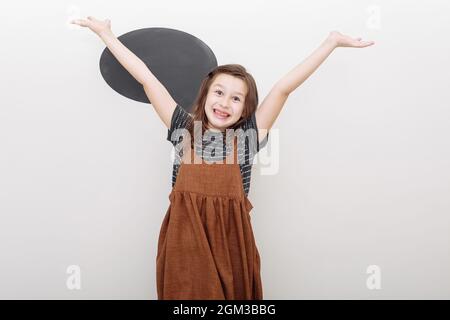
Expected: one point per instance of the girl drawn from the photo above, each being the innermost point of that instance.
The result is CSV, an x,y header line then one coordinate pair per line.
x,y
206,248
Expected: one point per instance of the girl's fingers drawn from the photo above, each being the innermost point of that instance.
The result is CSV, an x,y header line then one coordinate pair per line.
x,y
366,43
91,18
79,22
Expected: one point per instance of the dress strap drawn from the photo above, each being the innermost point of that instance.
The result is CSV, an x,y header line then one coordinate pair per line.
x,y
232,157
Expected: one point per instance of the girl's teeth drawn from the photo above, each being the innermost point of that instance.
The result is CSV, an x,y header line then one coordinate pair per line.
x,y
220,113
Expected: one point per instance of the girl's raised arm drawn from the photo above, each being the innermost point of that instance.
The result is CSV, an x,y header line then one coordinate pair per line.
x,y
158,95
271,106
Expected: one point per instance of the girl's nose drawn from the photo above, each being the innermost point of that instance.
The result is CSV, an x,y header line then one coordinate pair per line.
x,y
225,103
224,106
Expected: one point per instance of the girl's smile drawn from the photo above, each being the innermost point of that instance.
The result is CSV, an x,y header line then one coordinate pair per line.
x,y
221,115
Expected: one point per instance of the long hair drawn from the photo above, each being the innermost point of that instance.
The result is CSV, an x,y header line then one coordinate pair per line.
x,y
198,109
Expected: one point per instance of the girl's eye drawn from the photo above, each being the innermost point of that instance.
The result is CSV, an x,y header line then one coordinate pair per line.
x,y
235,97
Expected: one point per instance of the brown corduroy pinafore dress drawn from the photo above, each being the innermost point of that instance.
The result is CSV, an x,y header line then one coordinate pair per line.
x,y
206,246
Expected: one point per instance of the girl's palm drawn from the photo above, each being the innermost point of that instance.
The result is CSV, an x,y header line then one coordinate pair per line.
x,y
94,24
343,40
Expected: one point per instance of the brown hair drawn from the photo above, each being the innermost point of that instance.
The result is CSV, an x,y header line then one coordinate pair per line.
x,y
198,109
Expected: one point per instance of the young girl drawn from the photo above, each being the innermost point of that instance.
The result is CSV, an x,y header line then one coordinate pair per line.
x,y
206,248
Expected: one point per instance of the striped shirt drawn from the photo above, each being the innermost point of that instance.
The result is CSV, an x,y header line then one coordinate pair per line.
x,y
247,144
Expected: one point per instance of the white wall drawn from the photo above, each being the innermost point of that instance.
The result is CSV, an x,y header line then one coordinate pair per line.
x,y
363,176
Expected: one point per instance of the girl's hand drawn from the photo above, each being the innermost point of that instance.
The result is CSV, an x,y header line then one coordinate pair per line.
x,y
341,40
97,26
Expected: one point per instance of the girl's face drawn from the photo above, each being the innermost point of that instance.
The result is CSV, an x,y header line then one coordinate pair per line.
x,y
225,101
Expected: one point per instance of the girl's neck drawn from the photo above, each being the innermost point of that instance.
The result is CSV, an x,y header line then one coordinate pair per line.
x,y
210,128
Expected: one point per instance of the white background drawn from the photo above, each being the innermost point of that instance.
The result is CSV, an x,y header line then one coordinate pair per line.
x,y
363,175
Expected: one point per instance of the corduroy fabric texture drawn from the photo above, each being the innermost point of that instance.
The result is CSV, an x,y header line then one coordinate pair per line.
x,y
206,246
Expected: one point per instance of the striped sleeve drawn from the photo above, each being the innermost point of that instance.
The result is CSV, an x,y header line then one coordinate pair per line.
x,y
180,118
